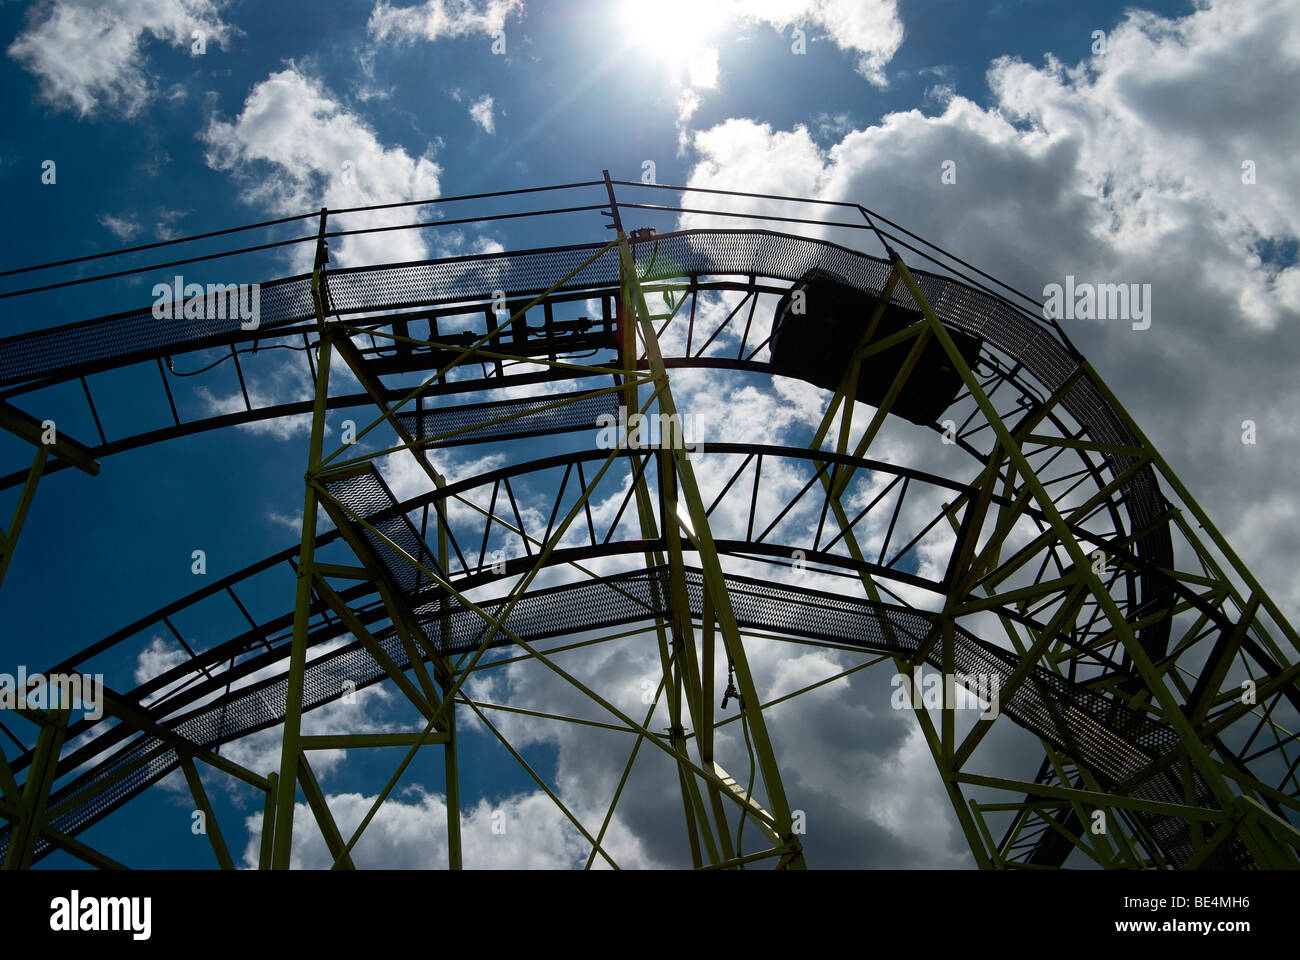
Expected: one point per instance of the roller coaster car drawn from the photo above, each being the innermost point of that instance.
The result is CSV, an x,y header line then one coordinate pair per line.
x,y
816,346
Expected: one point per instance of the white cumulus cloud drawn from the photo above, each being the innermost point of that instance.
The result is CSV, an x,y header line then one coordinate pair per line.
x,y
321,154
434,19
481,113
88,54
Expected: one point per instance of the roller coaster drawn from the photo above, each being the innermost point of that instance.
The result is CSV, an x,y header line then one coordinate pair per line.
x,y
1035,541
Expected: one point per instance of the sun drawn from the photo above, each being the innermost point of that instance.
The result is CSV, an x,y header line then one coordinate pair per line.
x,y
674,34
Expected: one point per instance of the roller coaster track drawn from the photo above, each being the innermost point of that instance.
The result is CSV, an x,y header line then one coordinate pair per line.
x,y
1064,560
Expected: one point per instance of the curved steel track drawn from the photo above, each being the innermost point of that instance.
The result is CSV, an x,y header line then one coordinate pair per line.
x,y
1072,680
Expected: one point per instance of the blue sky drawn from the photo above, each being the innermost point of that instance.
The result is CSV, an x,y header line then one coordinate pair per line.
x,y
1124,164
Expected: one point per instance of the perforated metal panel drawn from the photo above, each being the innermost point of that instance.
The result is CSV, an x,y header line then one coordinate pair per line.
x,y
1114,741
137,333
367,496
686,253
529,418
1118,743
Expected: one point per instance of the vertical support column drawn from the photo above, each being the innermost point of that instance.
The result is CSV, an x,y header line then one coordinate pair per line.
x,y
702,538
452,768
282,842
47,443
443,677
697,825
704,721
1170,707
268,822
210,826
686,678
36,790
9,538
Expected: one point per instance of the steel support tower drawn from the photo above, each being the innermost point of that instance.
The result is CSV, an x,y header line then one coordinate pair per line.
x,y
1050,555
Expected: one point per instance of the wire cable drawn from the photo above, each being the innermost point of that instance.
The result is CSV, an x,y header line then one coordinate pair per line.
x,y
155,266
749,791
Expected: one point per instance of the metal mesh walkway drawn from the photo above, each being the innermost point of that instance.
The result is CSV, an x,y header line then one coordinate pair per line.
x,y
1114,741
73,349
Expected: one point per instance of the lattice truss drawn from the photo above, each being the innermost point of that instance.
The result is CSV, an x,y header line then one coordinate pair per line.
x,y
1041,545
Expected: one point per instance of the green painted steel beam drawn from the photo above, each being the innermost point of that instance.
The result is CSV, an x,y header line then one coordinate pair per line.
x,y
1142,662
290,749
711,565
210,826
36,792
33,431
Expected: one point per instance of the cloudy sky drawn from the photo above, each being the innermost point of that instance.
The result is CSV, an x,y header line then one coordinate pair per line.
x,y
1111,142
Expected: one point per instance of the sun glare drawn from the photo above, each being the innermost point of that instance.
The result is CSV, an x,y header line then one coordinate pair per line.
x,y
675,34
